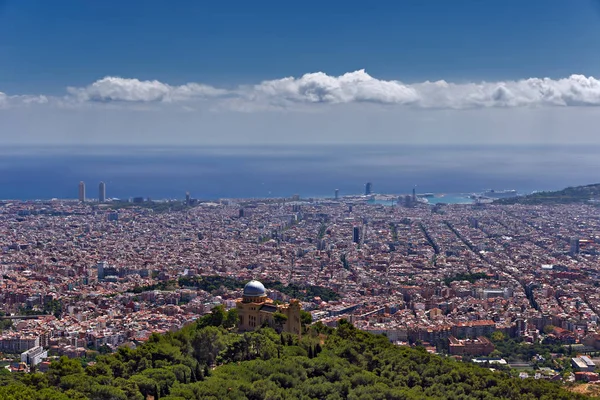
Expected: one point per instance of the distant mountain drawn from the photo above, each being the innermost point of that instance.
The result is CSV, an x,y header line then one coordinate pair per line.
x,y
577,194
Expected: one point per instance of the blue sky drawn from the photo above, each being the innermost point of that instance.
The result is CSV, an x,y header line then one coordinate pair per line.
x,y
48,46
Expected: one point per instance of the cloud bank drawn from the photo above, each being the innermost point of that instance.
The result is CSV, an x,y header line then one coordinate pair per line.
x,y
134,90
352,87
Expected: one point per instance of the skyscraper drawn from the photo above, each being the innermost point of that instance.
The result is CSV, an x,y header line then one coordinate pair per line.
x,y
368,187
574,250
337,193
82,191
356,235
102,192
188,199
414,196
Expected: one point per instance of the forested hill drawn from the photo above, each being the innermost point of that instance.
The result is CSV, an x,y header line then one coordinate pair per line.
x,y
206,360
577,194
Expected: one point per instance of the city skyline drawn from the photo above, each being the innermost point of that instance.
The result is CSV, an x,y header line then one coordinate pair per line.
x,y
392,199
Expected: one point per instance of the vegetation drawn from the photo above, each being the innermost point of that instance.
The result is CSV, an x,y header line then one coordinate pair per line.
x,y
207,360
577,194
540,353
322,231
466,277
394,231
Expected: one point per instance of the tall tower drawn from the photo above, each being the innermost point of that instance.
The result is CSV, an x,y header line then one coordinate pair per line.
x,y
574,250
82,191
414,196
356,234
188,199
368,188
102,192
337,193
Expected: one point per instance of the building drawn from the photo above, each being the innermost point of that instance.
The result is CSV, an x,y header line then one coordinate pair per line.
x,y
105,270
112,216
574,250
256,309
337,194
188,199
474,347
82,191
368,188
471,329
34,356
356,234
102,192
18,344
583,363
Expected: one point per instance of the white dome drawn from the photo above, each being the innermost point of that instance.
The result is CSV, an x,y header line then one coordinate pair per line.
x,y
254,289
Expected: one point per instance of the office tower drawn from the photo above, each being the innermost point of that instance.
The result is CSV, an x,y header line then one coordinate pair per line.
x,y
113,216
349,207
337,193
356,235
102,265
187,198
102,192
368,188
82,191
574,246
241,213
414,196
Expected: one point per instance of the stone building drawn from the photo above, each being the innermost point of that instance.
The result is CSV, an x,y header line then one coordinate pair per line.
x,y
256,309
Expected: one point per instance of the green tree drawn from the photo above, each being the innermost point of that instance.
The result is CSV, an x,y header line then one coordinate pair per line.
x,y
497,336
279,320
548,329
64,367
231,319
305,317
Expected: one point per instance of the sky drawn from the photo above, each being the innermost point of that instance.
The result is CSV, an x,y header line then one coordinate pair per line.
x,y
271,72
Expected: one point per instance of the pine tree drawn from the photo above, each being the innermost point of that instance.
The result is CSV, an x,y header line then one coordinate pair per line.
x,y
318,349
199,372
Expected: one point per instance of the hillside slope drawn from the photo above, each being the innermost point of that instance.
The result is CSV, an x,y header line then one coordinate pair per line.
x,y
207,361
576,194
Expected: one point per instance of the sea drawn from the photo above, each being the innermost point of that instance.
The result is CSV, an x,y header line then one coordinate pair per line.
x,y
213,172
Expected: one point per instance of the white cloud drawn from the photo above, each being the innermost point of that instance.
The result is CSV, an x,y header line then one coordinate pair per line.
x,y
7,101
134,90
576,90
359,86
318,88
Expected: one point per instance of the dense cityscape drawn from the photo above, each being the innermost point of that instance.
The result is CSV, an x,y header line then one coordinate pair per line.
x,y
91,275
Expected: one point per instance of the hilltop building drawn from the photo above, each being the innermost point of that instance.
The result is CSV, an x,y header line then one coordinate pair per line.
x,y
255,309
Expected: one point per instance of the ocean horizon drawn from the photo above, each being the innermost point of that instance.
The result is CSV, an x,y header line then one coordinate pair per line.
x,y
213,172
